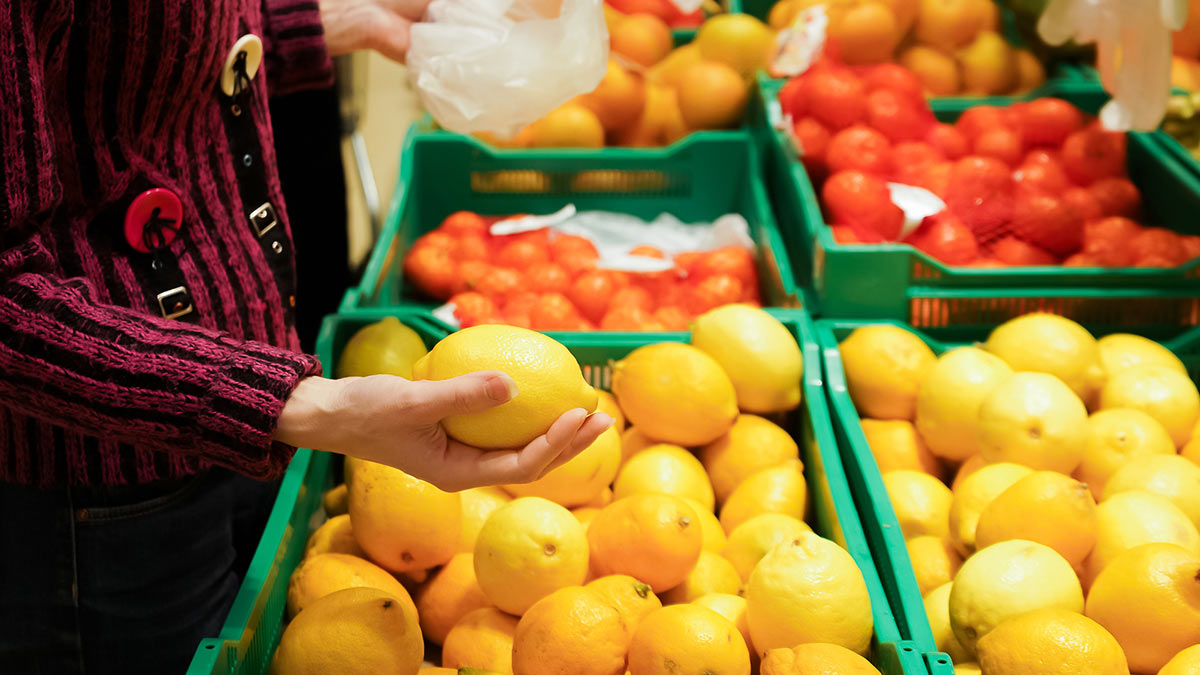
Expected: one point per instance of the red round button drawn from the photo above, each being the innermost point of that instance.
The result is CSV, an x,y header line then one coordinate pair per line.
x,y
153,217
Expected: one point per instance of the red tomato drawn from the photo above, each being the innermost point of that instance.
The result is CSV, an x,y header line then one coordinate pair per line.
x,y
469,274
1093,153
863,202
980,192
1158,242
1013,251
437,239
859,147
432,269
1082,260
570,244
1046,176
521,255
1083,201
632,296
1117,196
1191,245
1045,221
547,278
944,237
893,77
647,251
672,317
627,318
471,247
1048,121
835,97
1003,144
813,139
936,178
463,223
844,234
974,121
553,311
735,261
792,98
1109,241
912,158
471,307
900,117
949,140
592,292
660,8
499,282
714,292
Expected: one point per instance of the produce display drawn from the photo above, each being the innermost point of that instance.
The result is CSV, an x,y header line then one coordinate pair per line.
x,y
550,281
1048,486
1034,183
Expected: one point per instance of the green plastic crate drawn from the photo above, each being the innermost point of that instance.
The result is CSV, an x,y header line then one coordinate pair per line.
x,y
896,281
253,628
879,520
701,177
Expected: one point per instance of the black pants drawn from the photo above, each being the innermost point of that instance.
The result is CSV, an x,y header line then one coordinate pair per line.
x,y
124,580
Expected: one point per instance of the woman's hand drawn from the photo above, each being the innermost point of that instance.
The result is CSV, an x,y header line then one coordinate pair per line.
x,y
382,25
394,421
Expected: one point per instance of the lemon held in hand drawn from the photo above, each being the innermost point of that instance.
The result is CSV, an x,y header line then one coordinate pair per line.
x,y
548,383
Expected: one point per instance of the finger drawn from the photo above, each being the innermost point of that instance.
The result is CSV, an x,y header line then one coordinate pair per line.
x,y
500,467
434,400
412,9
588,433
391,36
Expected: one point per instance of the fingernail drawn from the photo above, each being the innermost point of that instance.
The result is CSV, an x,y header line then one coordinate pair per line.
x,y
604,418
501,388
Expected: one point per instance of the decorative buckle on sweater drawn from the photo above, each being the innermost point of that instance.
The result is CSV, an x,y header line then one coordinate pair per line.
x,y
263,219
174,303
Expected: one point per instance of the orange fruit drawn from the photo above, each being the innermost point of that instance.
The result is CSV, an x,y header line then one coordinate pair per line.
x,y
643,38
619,99
481,639
591,293
572,631
654,538
661,122
688,639
905,12
665,72
897,445
866,32
947,24
712,95
585,515
816,657
568,126
327,573
632,599
937,70
450,595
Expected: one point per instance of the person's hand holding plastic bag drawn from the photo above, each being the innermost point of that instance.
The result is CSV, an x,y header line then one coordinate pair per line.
x,y
498,65
1133,54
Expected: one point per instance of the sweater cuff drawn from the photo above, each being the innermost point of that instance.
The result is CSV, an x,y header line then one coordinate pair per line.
x,y
294,43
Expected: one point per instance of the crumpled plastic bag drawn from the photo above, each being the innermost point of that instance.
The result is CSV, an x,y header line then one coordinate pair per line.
x,y
498,65
1133,54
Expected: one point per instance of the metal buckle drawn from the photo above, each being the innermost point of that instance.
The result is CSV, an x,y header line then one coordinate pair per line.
x,y
174,299
263,219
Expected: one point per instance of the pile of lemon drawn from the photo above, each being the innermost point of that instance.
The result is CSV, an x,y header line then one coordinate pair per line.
x,y
676,544
1048,486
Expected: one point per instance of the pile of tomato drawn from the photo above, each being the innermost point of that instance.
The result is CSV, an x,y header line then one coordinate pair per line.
x,y
549,281
1036,183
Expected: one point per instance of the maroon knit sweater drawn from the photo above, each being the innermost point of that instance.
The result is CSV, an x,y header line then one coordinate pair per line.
x,y
100,101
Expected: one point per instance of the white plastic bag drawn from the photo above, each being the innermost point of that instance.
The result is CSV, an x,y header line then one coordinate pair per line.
x,y
498,65
1133,52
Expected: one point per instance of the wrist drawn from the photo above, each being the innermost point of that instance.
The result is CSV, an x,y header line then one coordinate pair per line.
x,y
308,418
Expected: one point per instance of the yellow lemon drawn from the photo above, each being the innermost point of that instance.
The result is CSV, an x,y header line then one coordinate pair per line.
x,y
712,574
808,590
732,607
1185,662
526,550
1149,598
740,41
335,535
1169,476
1051,641
751,445
1122,350
816,657
1006,580
355,630
581,479
897,445
885,366
448,596
477,505
1159,391
634,441
779,489
710,528
668,469
964,471
973,495
688,639
386,347
1129,519
950,398
921,502
607,404
325,573
675,393
934,561
1115,438
549,383
988,65
1031,74
403,523
1035,420
968,668
937,610
1045,507
334,501
572,630
1048,343
757,352
483,639
753,539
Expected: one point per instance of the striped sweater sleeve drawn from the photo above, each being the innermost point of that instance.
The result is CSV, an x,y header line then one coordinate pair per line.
x,y
103,370
294,47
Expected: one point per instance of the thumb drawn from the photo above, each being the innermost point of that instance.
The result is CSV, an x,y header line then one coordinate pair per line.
x,y
462,395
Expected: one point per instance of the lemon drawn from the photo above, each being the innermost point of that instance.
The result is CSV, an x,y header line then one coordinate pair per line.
x,y
808,590
325,573
675,393
1035,420
549,383
934,561
1122,350
335,500
937,610
779,489
895,444
710,528
582,478
740,41
607,404
1149,598
528,549
1048,343
1116,437
356,630
386,347
477,505
973,495
634,441
757,352
751,445
1006,580
732,607
335,535
668,469
403,523
975,463
1129,519
1159,391
1045,507
753,539
1051,641
1186,662
950,397
968,668
1170,476
921,502
712,574
885,366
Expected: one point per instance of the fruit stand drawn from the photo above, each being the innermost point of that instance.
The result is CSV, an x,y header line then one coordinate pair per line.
x,y
902,352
